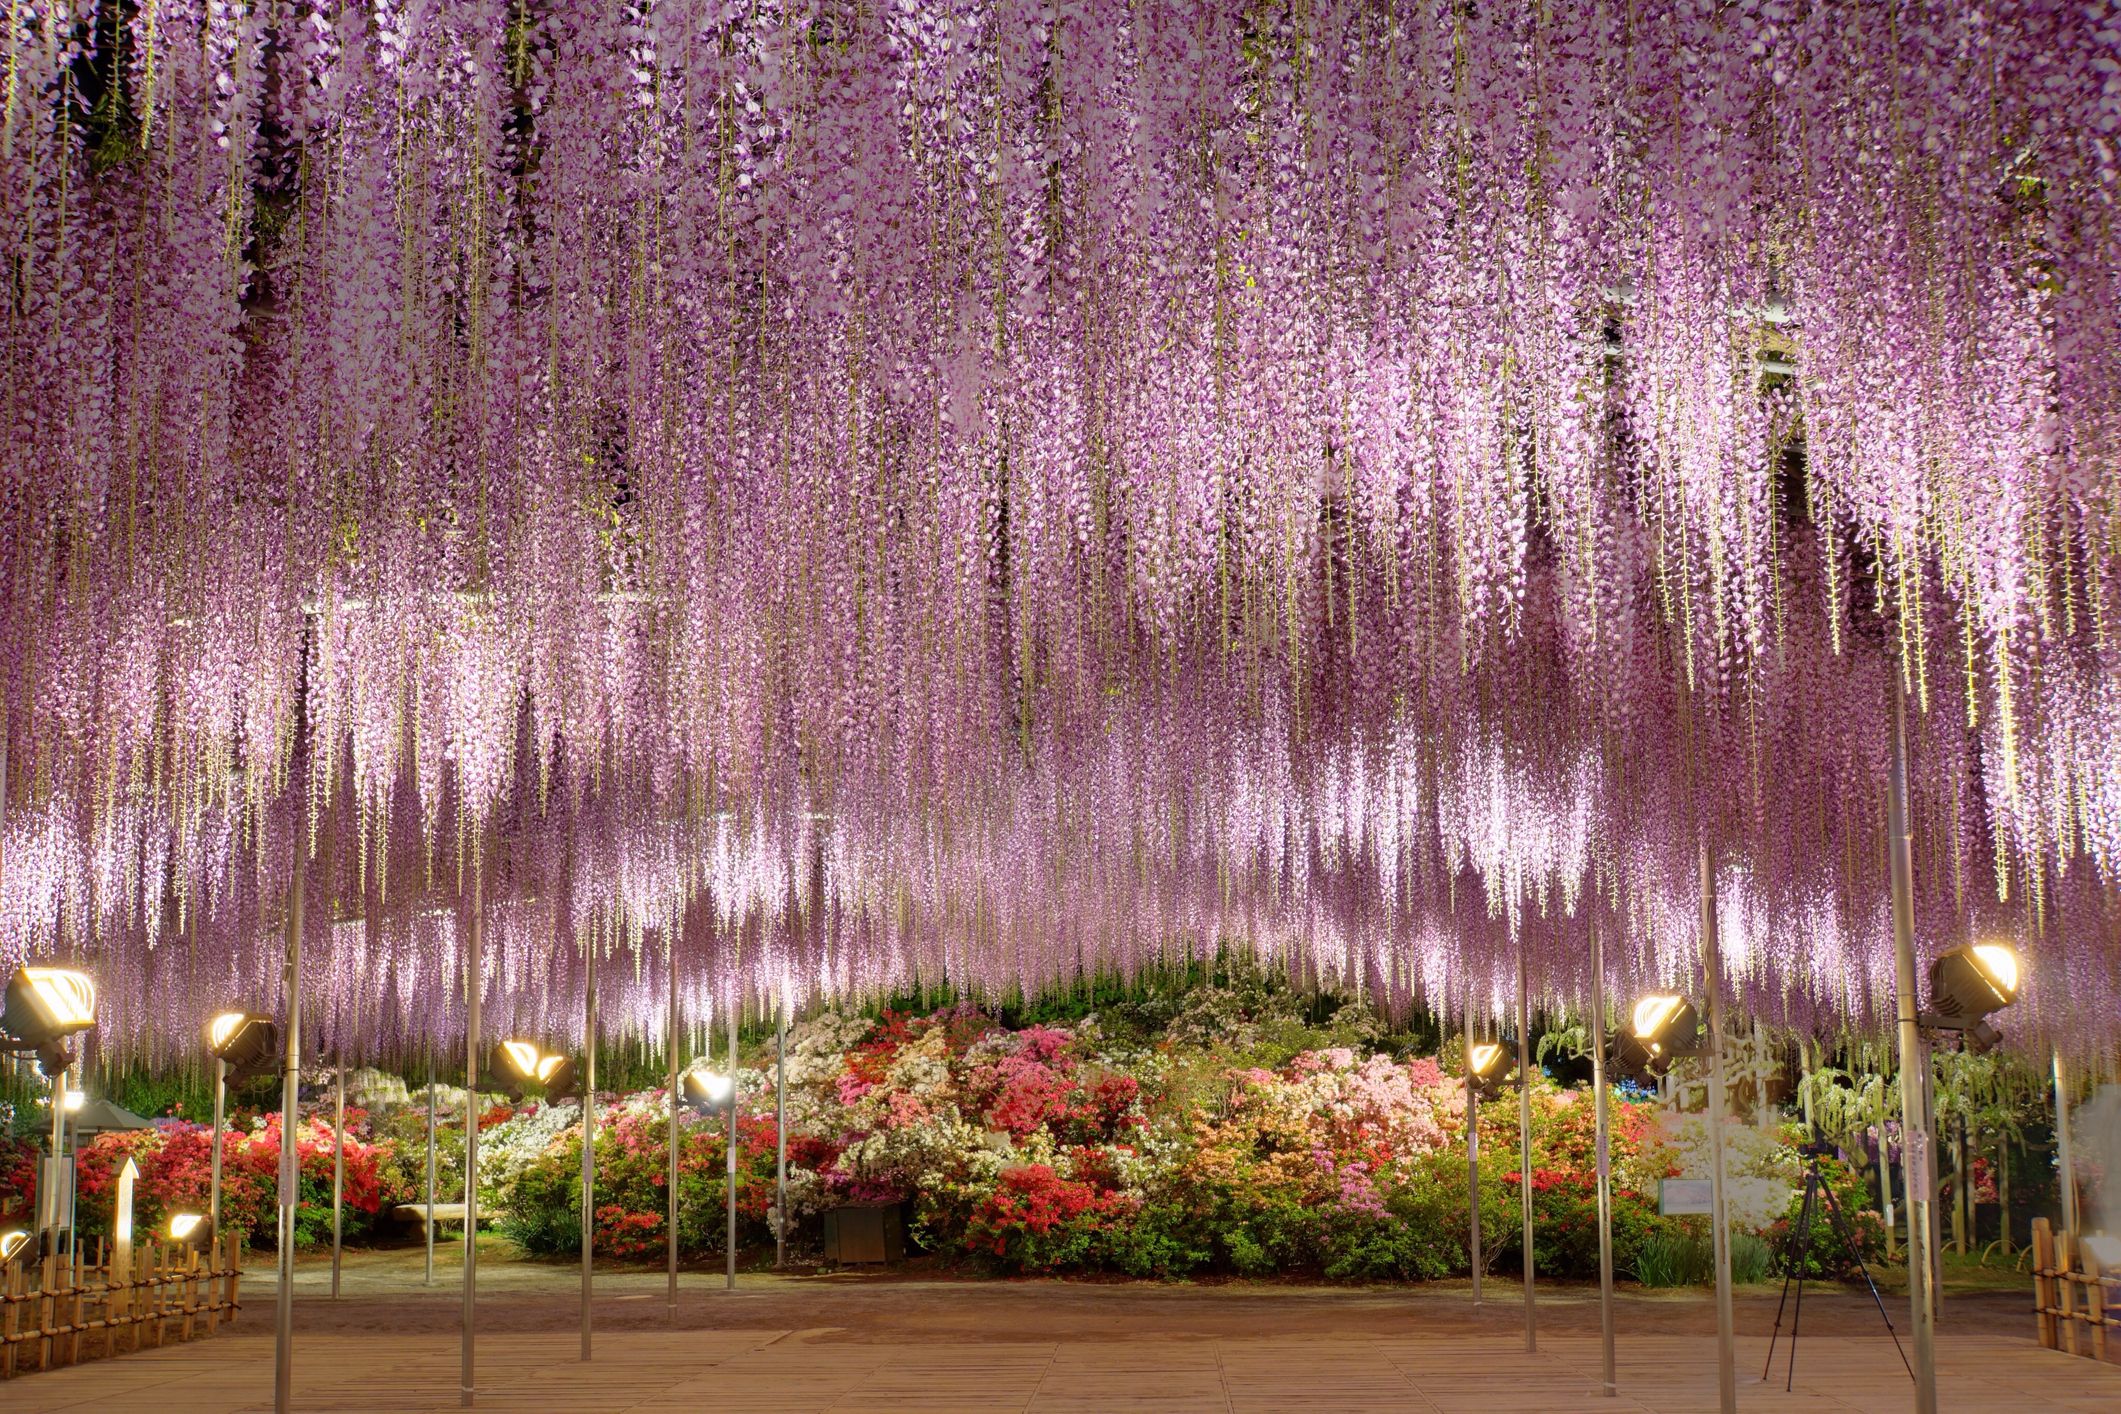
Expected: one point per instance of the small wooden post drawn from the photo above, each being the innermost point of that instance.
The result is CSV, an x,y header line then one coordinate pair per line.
x,y
191,1290
235,1272
73,1309
161,1271
8,1307
2044,1302
2095,1305
2068,1314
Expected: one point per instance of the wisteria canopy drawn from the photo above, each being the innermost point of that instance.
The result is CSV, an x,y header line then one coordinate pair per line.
x,y
877,494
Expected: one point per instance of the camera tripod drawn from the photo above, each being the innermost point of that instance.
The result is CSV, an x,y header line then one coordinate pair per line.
x,y
1797,1250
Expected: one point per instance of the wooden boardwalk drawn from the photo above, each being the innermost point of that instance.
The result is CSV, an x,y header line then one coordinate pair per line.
x,y
659,1372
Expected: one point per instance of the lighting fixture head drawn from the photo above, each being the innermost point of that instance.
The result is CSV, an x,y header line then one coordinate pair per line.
x,y
1487,1065
1663,1027
520,1065
705,1090
1969,982
15,1245
74,1100
245,1043
47,1004
190,1230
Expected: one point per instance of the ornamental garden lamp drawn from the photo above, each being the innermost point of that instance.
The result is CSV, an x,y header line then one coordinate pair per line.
x,y
1966,984
14,1246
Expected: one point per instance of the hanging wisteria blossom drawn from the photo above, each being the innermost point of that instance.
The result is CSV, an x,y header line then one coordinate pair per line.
x,y
975,492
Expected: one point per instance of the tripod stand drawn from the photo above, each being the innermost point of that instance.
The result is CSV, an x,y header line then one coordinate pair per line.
x,y
1797,1251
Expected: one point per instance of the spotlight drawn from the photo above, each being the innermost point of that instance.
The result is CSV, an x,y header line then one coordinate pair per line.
x,y
518,1065
705,1090
1487,1063
190,1231
246,1044
1968,983
1664,1027
74,1100
46,1005
14,1247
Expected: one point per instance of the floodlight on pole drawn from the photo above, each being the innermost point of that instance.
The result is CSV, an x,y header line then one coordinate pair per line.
x,y
1487,1063
46,1004
243,1045
1966,984
521,1065
1663,1027
244,1042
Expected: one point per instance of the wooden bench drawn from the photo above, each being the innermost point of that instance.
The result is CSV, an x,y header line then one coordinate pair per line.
x,y
421,1213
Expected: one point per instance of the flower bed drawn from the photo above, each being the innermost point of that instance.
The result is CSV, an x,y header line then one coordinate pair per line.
x,y
1217,1140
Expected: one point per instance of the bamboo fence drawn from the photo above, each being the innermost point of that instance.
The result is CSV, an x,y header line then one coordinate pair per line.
x,y
64,1310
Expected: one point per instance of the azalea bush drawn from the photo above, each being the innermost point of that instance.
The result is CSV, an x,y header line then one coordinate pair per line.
x,y
175,1174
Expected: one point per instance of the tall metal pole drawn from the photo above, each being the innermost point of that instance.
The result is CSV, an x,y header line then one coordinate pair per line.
x,y
2066,1172
671,1188
1605,1162
430,1167
1472,1146
1914,1071
780,1131
1719,1216
474,985
290,1103
1524,1140
48,1201
213,1192
589,1128
338,1167
729,1179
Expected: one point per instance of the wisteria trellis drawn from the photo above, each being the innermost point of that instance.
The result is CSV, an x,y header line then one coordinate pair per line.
x,y
974,491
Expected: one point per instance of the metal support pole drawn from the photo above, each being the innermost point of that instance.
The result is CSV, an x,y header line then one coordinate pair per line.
x,y
780,1132
213,1190
1524,1141
48,1204
338,1168
1914,1073
1719,1216
474,986
671,1188
729,1181
290,1104
589,1130
430,1169
2065,1167
1472,1147
1611,1386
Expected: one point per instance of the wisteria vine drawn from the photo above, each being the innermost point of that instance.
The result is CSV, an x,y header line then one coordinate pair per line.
x,y
874,495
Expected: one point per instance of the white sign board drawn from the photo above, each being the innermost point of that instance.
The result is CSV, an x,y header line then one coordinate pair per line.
x,y
1921,1177
1685,1195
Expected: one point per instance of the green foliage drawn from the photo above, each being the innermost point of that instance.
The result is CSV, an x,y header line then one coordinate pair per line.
x,y
1674,1256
